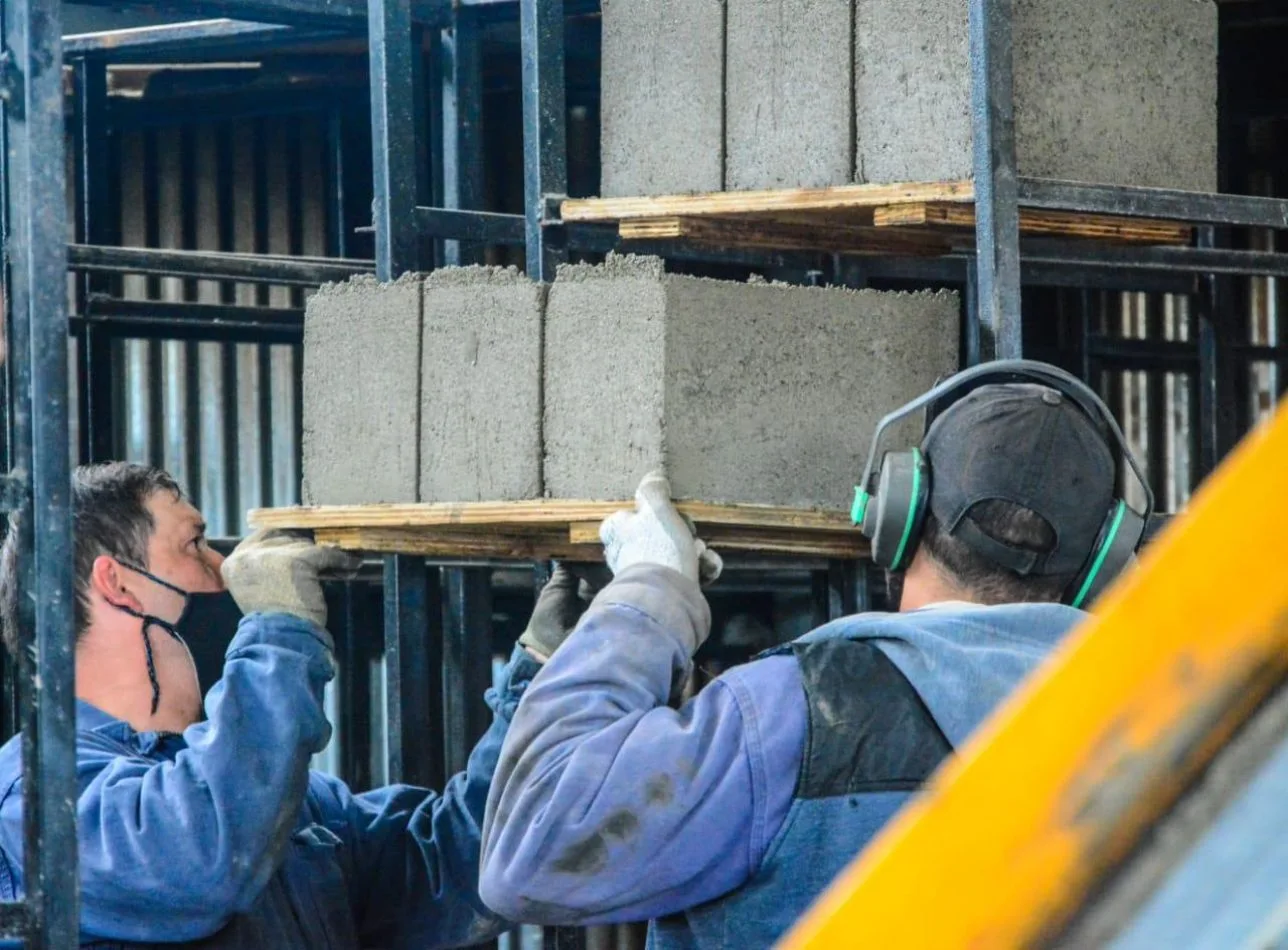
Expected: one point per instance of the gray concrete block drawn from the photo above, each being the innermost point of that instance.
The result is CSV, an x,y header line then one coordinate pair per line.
x,y
1110,91
362,392
662,111
788,94
742,393
481,386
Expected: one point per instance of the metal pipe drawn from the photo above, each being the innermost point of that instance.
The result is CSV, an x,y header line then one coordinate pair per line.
x,y
467,661
545,138
35,242
997,215
393,139
462,130
308,12
215,265
413,664
1195,207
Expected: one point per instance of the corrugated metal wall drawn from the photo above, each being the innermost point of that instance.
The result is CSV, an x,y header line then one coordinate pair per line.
x,y
223,418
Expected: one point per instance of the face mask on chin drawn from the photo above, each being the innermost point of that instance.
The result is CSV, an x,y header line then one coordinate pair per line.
x,y
206,626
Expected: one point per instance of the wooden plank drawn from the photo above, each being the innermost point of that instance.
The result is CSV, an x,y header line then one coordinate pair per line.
x,y
1037,221
517,514
847,546
440,544
819,235
752,202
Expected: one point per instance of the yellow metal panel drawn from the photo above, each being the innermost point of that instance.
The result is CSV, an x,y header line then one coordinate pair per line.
x,y
1012,833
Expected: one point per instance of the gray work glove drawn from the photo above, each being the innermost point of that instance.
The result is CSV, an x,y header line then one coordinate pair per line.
x,y
274,571
656,533
560,605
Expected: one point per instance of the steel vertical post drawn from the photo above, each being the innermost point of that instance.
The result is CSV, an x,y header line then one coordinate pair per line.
x,y
997,216
394,120
462,89
467,660
93,226
545,128
413,659
36,247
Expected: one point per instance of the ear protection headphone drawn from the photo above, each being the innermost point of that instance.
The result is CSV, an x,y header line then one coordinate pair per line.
x,y
890,504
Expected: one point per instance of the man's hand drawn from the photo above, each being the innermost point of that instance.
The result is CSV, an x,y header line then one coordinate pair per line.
x,y
274,571
656,533
562,602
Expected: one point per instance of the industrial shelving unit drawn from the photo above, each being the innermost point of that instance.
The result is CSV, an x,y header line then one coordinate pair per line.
x,y
427,150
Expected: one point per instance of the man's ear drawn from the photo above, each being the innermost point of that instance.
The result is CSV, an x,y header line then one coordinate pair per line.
x,y
107,578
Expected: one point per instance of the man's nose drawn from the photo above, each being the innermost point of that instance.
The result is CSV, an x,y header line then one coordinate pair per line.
x,y
213,561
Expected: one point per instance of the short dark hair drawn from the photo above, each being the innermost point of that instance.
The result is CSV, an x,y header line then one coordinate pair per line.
x,y
985,581
109,517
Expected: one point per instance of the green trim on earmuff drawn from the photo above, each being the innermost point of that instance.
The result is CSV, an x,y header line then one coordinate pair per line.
x,y
897,563
859,510
1101,555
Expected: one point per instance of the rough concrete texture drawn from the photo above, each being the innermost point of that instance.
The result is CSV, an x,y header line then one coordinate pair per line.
x,y
662,120
742,393
362,392
481,386
1111,91
789,83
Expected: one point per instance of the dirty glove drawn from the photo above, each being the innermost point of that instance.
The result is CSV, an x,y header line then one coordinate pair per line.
x,y
656,533
274,571
562,602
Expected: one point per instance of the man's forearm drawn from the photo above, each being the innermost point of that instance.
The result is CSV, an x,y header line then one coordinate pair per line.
x,y
598,779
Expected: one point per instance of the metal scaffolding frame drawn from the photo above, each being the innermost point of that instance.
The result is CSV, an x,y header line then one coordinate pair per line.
x,y
427,160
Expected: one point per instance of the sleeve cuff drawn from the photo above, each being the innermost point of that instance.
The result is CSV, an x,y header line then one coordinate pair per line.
x,y
671,600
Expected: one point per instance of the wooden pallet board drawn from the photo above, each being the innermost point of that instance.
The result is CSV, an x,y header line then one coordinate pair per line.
x,y
908,218
1037,221
536,530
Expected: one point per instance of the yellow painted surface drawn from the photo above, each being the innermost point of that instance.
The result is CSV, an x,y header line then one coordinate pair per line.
x,y
1010,835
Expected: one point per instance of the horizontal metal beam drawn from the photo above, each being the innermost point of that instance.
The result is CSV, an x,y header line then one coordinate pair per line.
x,y
160,328
194,40
1176,260
1191,206
1167,355
481,226
215,323
430,12
104,309
215,265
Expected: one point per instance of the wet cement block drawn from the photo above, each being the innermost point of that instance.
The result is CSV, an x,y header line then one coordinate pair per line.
x,y
481,386
1109,91
789,93
361,407
743,393
663,96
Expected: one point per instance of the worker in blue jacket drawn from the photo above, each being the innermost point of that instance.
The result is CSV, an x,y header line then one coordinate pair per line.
x,y
723,819
216,833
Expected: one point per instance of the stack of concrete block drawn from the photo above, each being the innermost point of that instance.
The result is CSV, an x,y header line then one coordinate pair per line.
x,y
741,392
822,92
424,390
478,385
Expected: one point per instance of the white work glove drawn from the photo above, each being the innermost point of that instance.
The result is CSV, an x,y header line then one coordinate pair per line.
x,y
656,533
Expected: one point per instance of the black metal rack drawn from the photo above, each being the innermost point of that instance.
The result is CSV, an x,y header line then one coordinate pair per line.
x,y
427,149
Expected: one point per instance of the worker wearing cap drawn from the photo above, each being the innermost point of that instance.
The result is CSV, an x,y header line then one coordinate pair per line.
x,y
215,833
723,819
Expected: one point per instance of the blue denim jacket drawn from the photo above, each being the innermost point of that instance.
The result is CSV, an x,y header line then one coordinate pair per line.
x,y
222,836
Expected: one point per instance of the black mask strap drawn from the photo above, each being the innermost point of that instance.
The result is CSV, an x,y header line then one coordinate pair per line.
x,y
150,620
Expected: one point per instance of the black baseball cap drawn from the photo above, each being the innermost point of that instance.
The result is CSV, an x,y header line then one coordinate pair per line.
x,y
1030,445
